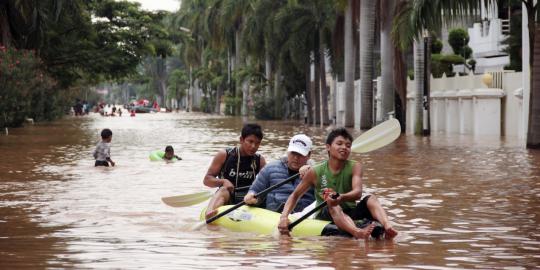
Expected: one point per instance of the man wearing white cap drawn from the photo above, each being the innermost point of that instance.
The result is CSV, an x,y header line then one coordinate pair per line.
x,y
297,156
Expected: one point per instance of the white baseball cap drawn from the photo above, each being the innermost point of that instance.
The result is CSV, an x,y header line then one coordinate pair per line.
x,y
300,144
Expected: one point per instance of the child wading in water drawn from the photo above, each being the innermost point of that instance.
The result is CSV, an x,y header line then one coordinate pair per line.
x,y
102,154
169,153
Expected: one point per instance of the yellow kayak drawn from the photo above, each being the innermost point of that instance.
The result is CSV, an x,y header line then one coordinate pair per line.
x,y
262,221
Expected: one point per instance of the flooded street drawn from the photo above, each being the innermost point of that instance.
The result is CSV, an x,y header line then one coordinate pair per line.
x,y
459,202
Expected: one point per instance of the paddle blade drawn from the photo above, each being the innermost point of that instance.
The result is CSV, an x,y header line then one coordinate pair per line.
x,y
188,199
377,137
197,226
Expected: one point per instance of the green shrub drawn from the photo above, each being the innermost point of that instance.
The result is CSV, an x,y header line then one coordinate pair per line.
x,y
436,46
231,104
458,38
466,52
442,64
264,108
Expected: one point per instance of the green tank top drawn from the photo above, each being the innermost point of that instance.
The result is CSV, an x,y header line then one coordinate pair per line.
x,y
340,182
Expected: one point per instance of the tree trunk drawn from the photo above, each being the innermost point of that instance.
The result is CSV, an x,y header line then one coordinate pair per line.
x,y
245,94
367,42
245,98
161,77
346,118
324,88
219,93
400,82
309,94
419,82
316,85
387,59
190,91
239,60
5,32
277,94
268,74
533,133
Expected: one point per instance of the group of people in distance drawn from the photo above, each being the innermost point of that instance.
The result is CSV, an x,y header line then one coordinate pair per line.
x,y
240,173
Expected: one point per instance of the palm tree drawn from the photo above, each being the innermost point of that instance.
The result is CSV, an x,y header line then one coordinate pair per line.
x,y
23,23
413,20
309,26
233,16
262,45
191,20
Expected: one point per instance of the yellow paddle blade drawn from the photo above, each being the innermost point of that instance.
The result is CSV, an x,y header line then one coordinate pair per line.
x,y
188,199
377,137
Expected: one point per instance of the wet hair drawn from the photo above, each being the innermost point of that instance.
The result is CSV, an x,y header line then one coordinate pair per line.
x,y
336,133
106,133
252,129
169,148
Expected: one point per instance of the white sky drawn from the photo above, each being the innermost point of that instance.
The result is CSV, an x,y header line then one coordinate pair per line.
x,y
169,5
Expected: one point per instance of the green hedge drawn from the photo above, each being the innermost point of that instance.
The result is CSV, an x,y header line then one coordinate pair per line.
x,y
442,64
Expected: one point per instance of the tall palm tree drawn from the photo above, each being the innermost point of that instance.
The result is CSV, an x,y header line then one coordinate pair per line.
x,y
310,24
414,18
234,14
261,43
190,19
23,23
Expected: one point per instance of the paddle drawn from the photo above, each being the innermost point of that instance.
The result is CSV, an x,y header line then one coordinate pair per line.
x,y
308,214
191,199
377,137
188,199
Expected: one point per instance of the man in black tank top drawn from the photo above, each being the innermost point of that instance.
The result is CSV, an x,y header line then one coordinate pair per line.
x,y
234,169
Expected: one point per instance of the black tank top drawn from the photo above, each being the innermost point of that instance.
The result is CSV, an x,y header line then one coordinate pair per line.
x,y
246,170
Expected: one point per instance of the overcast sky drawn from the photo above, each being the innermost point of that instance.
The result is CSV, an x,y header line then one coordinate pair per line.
x,y
169,5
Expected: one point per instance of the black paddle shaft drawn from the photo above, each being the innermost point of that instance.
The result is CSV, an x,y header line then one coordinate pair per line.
x,y
262,193
308,214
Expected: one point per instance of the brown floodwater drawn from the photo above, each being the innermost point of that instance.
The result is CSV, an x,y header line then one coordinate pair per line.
x,y
459,202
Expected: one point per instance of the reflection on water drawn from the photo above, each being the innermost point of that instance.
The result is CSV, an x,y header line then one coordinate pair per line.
x,y
458,201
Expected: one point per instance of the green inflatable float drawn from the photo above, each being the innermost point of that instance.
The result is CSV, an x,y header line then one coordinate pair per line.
x,y
158,155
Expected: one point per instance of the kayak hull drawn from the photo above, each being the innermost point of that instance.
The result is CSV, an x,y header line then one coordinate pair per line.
x,y
262,221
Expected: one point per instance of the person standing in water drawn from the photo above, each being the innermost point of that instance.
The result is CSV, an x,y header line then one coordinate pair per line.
x,y
102,153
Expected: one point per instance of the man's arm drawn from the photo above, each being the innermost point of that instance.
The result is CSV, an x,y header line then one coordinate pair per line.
x,y
262,181
307,181
263,163
210,179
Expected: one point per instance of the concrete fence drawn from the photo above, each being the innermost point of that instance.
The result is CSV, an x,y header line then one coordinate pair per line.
x,y
465,105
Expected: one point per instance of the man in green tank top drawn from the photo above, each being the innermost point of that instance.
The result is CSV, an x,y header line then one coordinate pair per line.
x,y
338,175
